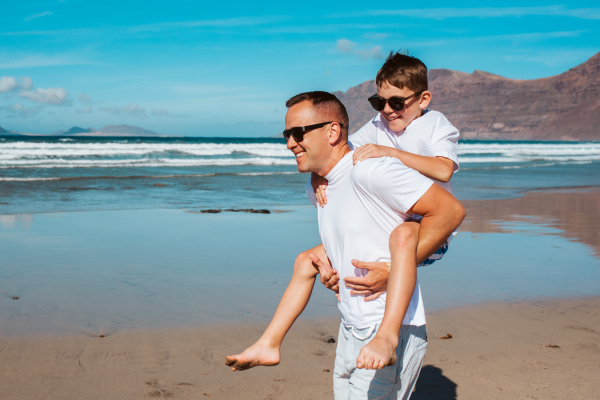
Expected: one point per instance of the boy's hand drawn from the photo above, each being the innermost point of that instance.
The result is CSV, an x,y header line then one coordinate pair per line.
x,y
319,184
371,151
371,285
376,354
255,355
329,276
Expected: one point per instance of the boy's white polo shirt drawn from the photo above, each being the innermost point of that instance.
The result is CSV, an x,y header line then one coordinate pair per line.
x,y
430,135
365,203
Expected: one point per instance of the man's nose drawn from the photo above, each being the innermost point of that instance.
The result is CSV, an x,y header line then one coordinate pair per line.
x,y
291,143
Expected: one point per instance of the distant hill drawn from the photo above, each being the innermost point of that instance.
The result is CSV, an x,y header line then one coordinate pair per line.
x,y
486,106
108,130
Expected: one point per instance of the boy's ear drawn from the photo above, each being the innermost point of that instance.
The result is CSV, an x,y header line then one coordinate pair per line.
x,y
425,100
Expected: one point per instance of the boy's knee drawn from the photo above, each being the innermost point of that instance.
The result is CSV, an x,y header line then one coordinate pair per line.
x,y
404,234
304,265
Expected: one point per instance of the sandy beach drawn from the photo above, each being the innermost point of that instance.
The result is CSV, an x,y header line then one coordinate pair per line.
x,y
537,350
519,349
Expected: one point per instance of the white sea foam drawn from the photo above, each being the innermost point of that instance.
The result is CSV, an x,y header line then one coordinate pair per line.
x,y
77,154
141,162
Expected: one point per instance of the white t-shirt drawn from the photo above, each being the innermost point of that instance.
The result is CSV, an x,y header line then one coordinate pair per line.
x,y
365,203
430,135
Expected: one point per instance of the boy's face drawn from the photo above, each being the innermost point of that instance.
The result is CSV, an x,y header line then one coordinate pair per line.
x,y
399,120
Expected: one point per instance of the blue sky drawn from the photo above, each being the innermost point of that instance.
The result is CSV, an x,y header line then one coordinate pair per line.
x,y
226,69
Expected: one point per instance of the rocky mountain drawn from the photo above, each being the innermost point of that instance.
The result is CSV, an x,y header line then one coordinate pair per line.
x,y
486,106
108,130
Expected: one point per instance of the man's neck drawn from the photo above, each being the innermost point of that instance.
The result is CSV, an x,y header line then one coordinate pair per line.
x,y
338,153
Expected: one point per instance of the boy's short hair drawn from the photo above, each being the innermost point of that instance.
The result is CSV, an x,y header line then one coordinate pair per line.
x,y
402,70
325,105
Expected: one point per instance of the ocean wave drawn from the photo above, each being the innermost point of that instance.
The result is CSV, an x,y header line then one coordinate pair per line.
x,y
142,162
79,178
53,149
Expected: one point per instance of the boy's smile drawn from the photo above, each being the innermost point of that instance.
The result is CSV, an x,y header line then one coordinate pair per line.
x,y
399,120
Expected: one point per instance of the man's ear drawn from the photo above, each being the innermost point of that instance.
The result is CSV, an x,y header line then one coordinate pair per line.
x,y
425,100
335,133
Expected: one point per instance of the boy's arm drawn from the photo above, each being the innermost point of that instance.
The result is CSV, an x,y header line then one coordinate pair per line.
x,y
438,168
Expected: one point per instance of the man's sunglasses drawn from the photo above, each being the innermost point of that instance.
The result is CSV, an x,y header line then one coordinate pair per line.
x,y
396,103
298,132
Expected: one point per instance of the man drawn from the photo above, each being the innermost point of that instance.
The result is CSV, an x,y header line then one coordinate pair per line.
x,y
366,202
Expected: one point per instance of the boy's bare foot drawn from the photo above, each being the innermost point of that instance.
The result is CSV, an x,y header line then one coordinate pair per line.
x,y
253,356
378,353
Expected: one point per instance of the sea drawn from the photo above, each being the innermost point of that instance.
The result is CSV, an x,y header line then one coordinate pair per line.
x,y
98,235
50,174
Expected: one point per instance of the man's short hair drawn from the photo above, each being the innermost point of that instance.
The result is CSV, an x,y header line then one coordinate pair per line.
x,y
402,70
325,105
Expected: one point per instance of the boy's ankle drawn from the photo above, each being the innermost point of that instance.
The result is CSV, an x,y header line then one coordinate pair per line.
x,y
388,338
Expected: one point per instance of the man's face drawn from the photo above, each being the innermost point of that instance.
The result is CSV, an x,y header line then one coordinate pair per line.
x,y
314,149
399,120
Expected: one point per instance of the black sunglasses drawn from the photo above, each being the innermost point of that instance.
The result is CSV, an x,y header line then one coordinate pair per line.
x,y
396,103
298,132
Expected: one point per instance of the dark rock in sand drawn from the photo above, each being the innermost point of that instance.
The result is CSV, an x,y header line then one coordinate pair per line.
x,y
210,211
330,340
249,210
15,298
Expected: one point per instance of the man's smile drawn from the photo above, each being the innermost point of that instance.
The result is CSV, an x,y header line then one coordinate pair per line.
x,y
298,155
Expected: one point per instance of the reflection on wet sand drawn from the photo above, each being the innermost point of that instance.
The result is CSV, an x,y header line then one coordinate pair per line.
x,y
575,212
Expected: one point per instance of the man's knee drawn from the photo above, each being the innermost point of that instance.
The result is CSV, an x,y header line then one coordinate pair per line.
x,y
406,234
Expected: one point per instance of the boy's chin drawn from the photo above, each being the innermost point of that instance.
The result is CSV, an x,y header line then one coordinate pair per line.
x,y
397,125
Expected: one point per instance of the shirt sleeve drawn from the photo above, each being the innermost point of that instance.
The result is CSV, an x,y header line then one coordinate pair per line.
x,y
396,185
310,193
365,135
444,141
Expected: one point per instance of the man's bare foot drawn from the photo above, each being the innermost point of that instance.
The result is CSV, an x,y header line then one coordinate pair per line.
x,y
378,353
253,356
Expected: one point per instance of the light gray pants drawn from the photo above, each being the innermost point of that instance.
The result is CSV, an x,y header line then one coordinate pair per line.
x,y
395,382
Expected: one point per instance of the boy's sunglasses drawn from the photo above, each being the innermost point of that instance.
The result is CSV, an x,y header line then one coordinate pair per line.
x,y
396,103
298,132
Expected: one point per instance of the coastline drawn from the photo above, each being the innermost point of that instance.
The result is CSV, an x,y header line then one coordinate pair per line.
x,y
538,349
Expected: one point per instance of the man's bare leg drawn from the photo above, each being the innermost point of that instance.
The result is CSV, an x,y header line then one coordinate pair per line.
x,y
266,350
381,351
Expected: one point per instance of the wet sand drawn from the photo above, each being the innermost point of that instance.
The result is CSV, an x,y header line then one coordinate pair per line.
x,y
536,350
575,211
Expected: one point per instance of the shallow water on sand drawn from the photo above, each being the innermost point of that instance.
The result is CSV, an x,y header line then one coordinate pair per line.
x,y
99,272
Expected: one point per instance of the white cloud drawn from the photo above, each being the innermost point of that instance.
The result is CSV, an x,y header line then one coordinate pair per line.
x,y
484,12
163,112
374,53
53,96
19,110
9,83
87,110
131,109
84,98
349,47
40,60
38,15
345,46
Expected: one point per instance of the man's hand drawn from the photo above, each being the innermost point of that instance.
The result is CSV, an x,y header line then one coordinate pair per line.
x,y
371,151
329,276
371,285
319,184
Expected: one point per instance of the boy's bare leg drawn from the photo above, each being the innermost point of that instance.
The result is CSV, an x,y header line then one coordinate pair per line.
x,y
266,350
381,351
